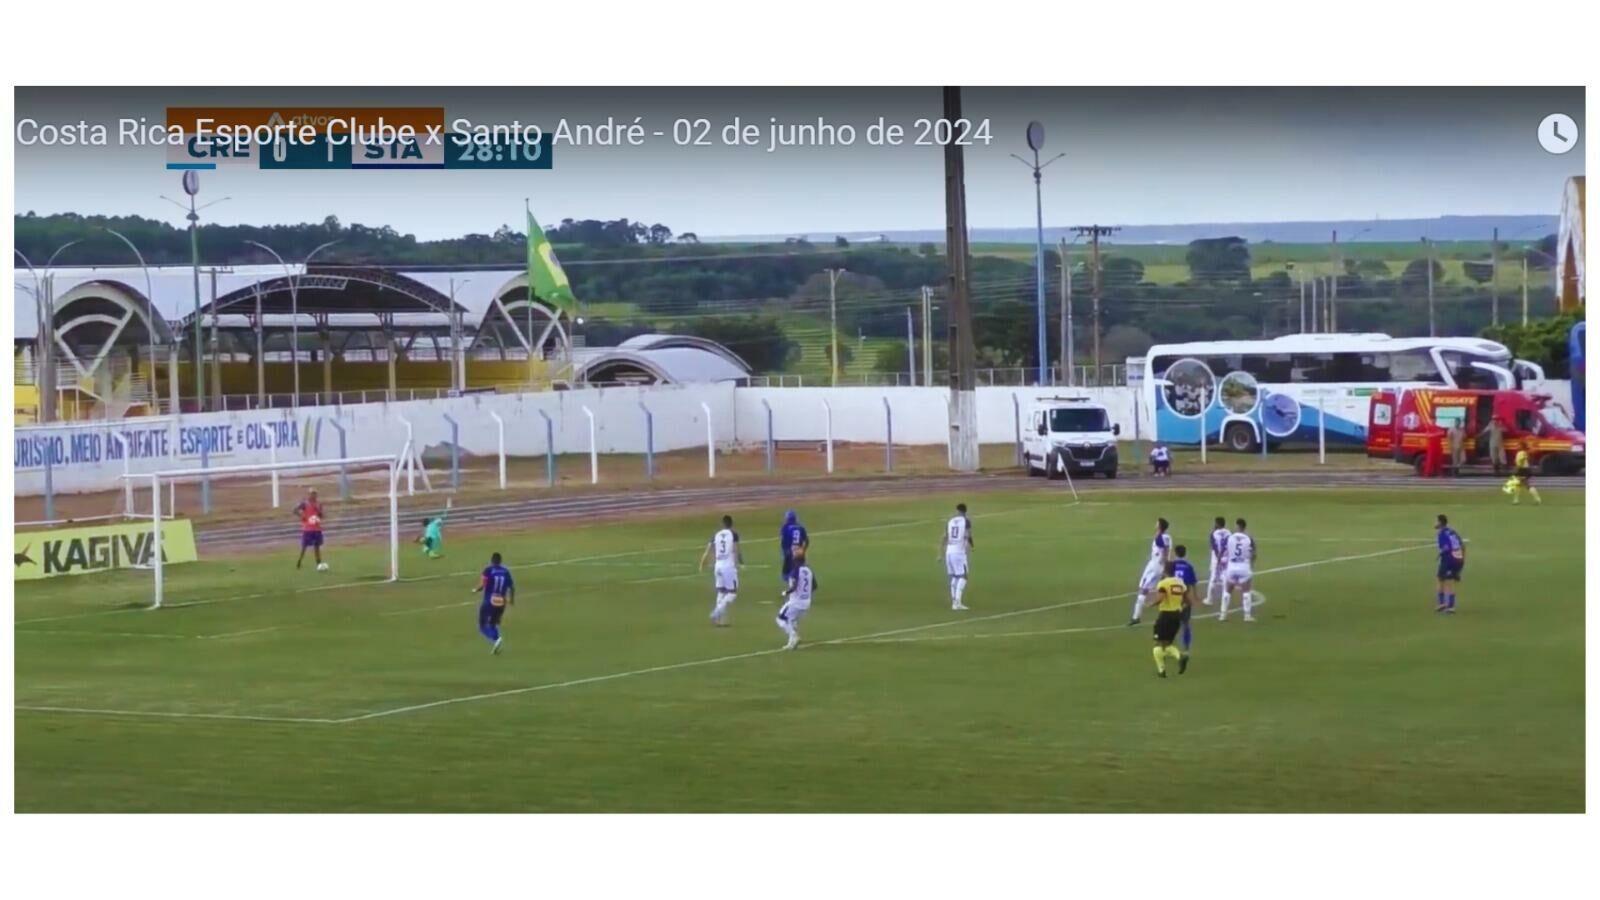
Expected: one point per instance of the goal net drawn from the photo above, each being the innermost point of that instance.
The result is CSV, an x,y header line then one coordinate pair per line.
x,y
250,506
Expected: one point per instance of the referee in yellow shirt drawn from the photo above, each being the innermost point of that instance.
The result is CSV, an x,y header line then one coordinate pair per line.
x,y
1522,475
1171,593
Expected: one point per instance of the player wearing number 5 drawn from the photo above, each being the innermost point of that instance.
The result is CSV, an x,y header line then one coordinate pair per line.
x,y
499,591
957,544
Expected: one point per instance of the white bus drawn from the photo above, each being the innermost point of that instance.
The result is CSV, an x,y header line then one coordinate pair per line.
x,y
1242,392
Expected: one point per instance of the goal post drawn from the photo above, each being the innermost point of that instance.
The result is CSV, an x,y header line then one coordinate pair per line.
x,y
235,478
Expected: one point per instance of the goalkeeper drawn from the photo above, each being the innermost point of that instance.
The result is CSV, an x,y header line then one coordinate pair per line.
x,y
432,539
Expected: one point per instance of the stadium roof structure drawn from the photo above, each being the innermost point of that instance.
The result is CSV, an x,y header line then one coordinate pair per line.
x,y
96,309
1569,246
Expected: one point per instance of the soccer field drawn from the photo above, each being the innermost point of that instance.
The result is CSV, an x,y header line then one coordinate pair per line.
x,y
285,690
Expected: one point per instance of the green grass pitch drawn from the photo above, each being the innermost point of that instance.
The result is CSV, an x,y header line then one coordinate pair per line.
x,y
615,694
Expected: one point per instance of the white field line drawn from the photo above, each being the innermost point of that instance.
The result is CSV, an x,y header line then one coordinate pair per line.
x,y
579,560
672,667
512,692
175,715
1259,602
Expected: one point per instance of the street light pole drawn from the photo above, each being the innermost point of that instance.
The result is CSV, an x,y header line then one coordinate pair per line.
x,y
1432,330
44,304
294,306
833,320
191,187
1036,143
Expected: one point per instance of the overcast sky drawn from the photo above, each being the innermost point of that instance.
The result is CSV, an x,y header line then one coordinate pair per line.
x,y
1133,156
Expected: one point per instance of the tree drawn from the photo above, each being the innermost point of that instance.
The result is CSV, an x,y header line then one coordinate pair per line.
x,y
928,249
688,237
1123,341
659,234
1415,276
759,340
1543,341
1543,254
840,241
845,353
1479,272
1120,271
1218,259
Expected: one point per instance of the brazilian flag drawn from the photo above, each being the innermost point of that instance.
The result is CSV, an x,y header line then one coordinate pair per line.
x,y
546,278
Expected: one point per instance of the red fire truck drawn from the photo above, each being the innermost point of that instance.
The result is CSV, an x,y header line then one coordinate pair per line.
x,y
1401,427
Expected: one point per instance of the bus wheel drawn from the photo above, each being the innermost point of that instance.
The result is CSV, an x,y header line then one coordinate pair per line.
x,y
1239,438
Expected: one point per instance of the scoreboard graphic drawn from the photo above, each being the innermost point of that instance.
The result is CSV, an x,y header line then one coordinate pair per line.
x,y
378,138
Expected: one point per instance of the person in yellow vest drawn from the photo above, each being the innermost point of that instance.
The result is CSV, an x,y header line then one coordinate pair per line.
x,y
1522,475
1171,593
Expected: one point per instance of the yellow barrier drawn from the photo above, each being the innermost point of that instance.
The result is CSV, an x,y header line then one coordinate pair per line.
x,y
80,551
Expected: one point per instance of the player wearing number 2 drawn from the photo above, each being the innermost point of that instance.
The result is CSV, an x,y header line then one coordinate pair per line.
x,y
957,544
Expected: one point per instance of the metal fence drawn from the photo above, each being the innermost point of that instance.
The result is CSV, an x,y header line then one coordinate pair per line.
x,y
1108,375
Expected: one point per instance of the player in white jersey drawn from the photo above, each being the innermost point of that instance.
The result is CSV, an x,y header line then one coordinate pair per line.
x,y
957,542
1241,555
725,544
797,599
1215,582
1160,555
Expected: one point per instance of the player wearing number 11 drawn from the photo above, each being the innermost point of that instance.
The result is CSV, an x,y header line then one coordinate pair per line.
x,y
499,591
957,544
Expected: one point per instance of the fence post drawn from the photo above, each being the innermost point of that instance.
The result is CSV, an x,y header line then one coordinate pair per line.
x,y
649,443
1261,416
771,462
1322,433
411,460
272,457
344,472
500,427
1016,423
827,409
455,452
49,484
549,450
888,444
205,477
711,444
594,450
127,483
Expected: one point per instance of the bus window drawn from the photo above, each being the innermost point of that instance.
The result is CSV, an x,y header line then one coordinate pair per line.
x,y
1414,365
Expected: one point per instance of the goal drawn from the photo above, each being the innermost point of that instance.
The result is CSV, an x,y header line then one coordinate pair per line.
x,y
237,485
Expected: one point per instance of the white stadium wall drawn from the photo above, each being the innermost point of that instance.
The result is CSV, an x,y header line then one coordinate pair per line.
x,y
87,459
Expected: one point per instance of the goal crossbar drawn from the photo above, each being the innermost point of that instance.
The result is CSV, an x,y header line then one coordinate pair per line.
x,y
391,461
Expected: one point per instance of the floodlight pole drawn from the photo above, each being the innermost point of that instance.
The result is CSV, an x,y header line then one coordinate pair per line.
x,y
1036,143
833,322
294,304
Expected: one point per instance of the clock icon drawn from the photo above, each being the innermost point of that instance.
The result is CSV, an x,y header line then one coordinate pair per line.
x,y
1558,133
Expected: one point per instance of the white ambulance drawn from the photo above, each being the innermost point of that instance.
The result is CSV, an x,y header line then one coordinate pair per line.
x,y
1075,435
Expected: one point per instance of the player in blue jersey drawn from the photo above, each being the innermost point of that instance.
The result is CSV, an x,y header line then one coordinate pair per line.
x,y
1452,559
499,591
1181,568
794,542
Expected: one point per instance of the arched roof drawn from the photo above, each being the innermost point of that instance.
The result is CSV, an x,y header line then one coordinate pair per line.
x,y
1569,246
672,365
677,341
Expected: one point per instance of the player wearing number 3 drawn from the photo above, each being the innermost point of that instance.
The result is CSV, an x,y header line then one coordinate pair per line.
x,y
957,543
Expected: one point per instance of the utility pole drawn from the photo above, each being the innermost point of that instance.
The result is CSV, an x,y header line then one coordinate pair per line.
x,y
963,441
1094,233
1494,278
927,336
1333,285
1036,143
833,321
216,346
1316,313
1432,330
1524,291
1066,316
911,346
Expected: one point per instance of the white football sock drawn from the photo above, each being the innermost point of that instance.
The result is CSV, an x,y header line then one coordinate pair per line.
x,y
960,587
1226,596
1138,605
1248,595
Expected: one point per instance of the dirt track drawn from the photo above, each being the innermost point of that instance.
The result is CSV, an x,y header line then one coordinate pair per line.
x,y
373,523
